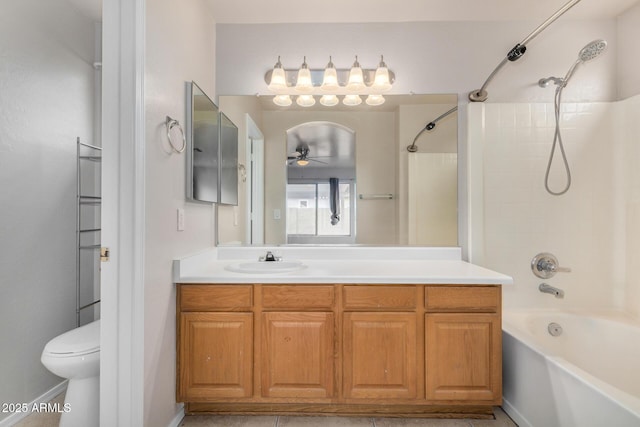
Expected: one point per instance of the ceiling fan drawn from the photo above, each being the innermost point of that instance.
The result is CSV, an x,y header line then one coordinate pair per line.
x,y
302,158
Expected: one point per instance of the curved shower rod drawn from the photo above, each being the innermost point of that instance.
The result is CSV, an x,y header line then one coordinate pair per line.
x,y
481,95
432,124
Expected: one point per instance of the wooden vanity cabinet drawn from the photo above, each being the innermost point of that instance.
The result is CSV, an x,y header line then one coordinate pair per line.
x,y
415,350
380,343
463,344
215,342
216,355
297,342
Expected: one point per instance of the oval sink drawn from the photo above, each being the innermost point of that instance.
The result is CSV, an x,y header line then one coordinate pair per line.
x,y
261,267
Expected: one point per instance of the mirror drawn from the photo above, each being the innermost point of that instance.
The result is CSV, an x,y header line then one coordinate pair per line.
x,y
399,198
202,146
228,161
321,183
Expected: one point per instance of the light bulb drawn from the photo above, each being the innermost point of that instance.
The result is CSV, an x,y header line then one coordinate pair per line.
x,y
330,79
352,100
356,80
278,81
374,100
381,80
302,162
303,84
305,100
329,100
282,100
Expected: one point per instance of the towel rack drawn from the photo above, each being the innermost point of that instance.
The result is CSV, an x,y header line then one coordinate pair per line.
x,y
170,124
386,196
88,227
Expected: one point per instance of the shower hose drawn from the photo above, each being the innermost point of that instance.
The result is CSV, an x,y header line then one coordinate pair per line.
x,y
557,141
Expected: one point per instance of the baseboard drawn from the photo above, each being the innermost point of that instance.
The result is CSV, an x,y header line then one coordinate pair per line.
x,y
515,414
175,422
43,398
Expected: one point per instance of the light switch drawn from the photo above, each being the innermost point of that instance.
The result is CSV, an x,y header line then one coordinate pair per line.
x,y
276,214
180,219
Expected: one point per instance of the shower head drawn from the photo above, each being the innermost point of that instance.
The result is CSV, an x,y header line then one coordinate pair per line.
x,y
587,53
592,50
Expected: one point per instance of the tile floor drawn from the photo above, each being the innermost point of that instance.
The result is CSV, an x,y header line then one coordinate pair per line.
x,y
43,419
501,420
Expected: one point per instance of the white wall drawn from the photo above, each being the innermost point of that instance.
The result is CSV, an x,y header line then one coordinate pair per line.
x,y
627,136
180,47
628,51
46,99
427,57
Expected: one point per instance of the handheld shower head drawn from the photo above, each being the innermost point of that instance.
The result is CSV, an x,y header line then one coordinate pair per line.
x,y
587,53
592,50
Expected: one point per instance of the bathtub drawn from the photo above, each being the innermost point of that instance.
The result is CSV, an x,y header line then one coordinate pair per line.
x,y
587,376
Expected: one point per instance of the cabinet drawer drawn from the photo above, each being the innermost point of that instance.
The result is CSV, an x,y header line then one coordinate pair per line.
x,y
215,297
379,297
462,298
297,296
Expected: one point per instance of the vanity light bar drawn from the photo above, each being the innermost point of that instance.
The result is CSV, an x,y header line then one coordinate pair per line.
x,y
291,78
330,82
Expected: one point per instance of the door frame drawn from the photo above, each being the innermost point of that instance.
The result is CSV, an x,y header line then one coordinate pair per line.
x,y
123,214
255,177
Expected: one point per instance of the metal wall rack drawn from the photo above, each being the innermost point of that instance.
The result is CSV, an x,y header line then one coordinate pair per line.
x,y
87,237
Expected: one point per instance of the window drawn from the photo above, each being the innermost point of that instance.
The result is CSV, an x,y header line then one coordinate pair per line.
x,y
309,213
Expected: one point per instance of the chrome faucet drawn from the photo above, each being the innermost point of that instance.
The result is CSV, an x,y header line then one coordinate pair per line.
x,y
545,265
269,257
548,289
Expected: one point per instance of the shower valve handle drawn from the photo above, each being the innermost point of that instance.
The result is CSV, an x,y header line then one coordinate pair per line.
x,y
545,265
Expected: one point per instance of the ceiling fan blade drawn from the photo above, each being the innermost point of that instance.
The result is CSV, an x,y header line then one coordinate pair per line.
x,y
311,159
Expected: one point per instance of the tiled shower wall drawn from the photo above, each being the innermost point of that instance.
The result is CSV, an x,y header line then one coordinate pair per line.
x,y
594,228
627,131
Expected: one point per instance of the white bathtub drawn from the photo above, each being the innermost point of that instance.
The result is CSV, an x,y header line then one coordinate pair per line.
x,y
587,376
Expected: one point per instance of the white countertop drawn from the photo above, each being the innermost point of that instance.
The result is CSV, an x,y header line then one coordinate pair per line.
x,y
381,265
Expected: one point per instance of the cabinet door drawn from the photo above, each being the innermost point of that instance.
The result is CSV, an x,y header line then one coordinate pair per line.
x,y
297,355
463,357
216,355
379,355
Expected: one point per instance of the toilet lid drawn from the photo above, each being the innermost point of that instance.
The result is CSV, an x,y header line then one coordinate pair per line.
x,y
82,340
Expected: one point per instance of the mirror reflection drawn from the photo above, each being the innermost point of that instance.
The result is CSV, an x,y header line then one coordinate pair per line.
x,y
382,194
202,146
321,183
228,161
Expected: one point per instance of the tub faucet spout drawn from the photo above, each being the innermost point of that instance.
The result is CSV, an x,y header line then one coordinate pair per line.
x,y
548,289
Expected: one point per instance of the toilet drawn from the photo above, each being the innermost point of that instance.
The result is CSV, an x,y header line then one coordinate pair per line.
x,y
75,355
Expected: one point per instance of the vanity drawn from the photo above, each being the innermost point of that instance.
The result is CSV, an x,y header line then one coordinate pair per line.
x,y
350,331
